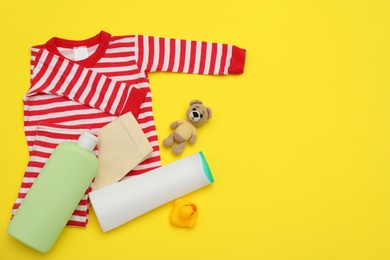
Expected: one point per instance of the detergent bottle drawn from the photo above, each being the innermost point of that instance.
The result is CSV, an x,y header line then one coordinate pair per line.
x,y
55,194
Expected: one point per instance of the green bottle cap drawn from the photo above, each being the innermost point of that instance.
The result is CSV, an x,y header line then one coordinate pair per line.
x,y
206,168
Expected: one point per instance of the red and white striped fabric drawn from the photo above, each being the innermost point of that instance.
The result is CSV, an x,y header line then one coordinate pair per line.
x,y
67,96
48,137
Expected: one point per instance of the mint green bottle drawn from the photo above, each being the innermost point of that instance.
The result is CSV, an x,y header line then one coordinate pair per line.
x,y
55,194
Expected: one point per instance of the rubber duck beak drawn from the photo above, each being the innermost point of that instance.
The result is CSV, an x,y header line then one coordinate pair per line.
x,y
193,207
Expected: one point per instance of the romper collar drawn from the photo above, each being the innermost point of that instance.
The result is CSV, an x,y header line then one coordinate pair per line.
x,y
102,39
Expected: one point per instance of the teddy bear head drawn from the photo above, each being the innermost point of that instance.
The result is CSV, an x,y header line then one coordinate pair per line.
x,y
197,113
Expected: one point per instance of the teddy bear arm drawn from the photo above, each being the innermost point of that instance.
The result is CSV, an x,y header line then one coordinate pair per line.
x,y
175,124
193,137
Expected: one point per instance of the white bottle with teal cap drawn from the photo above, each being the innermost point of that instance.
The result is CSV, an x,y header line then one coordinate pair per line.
x,y
55,194
121,202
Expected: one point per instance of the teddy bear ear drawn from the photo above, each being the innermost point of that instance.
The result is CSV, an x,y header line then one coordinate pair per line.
x,y
209,112
195,101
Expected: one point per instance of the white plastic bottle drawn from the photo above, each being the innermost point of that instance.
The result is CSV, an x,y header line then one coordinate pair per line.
x,y
121,202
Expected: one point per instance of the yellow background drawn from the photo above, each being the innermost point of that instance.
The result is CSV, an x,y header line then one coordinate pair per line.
x,y
299,144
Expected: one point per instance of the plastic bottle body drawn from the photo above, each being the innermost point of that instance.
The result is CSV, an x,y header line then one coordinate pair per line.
x,y
54,196
121,202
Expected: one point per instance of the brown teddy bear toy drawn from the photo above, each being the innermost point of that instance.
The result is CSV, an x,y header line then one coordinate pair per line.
x,y
197,115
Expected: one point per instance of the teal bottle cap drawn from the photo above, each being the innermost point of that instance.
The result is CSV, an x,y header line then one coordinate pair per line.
x,y
206,168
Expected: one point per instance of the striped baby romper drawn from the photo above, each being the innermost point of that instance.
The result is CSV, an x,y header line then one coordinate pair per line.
x,y
85,84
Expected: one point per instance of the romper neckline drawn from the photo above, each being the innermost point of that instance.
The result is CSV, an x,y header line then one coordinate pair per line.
x,y
102,39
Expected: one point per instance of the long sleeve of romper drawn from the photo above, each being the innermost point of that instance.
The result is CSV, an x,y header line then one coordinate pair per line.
x,y
55,75
195,57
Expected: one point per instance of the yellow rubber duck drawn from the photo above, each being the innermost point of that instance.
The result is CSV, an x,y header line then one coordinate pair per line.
x,y
184,213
